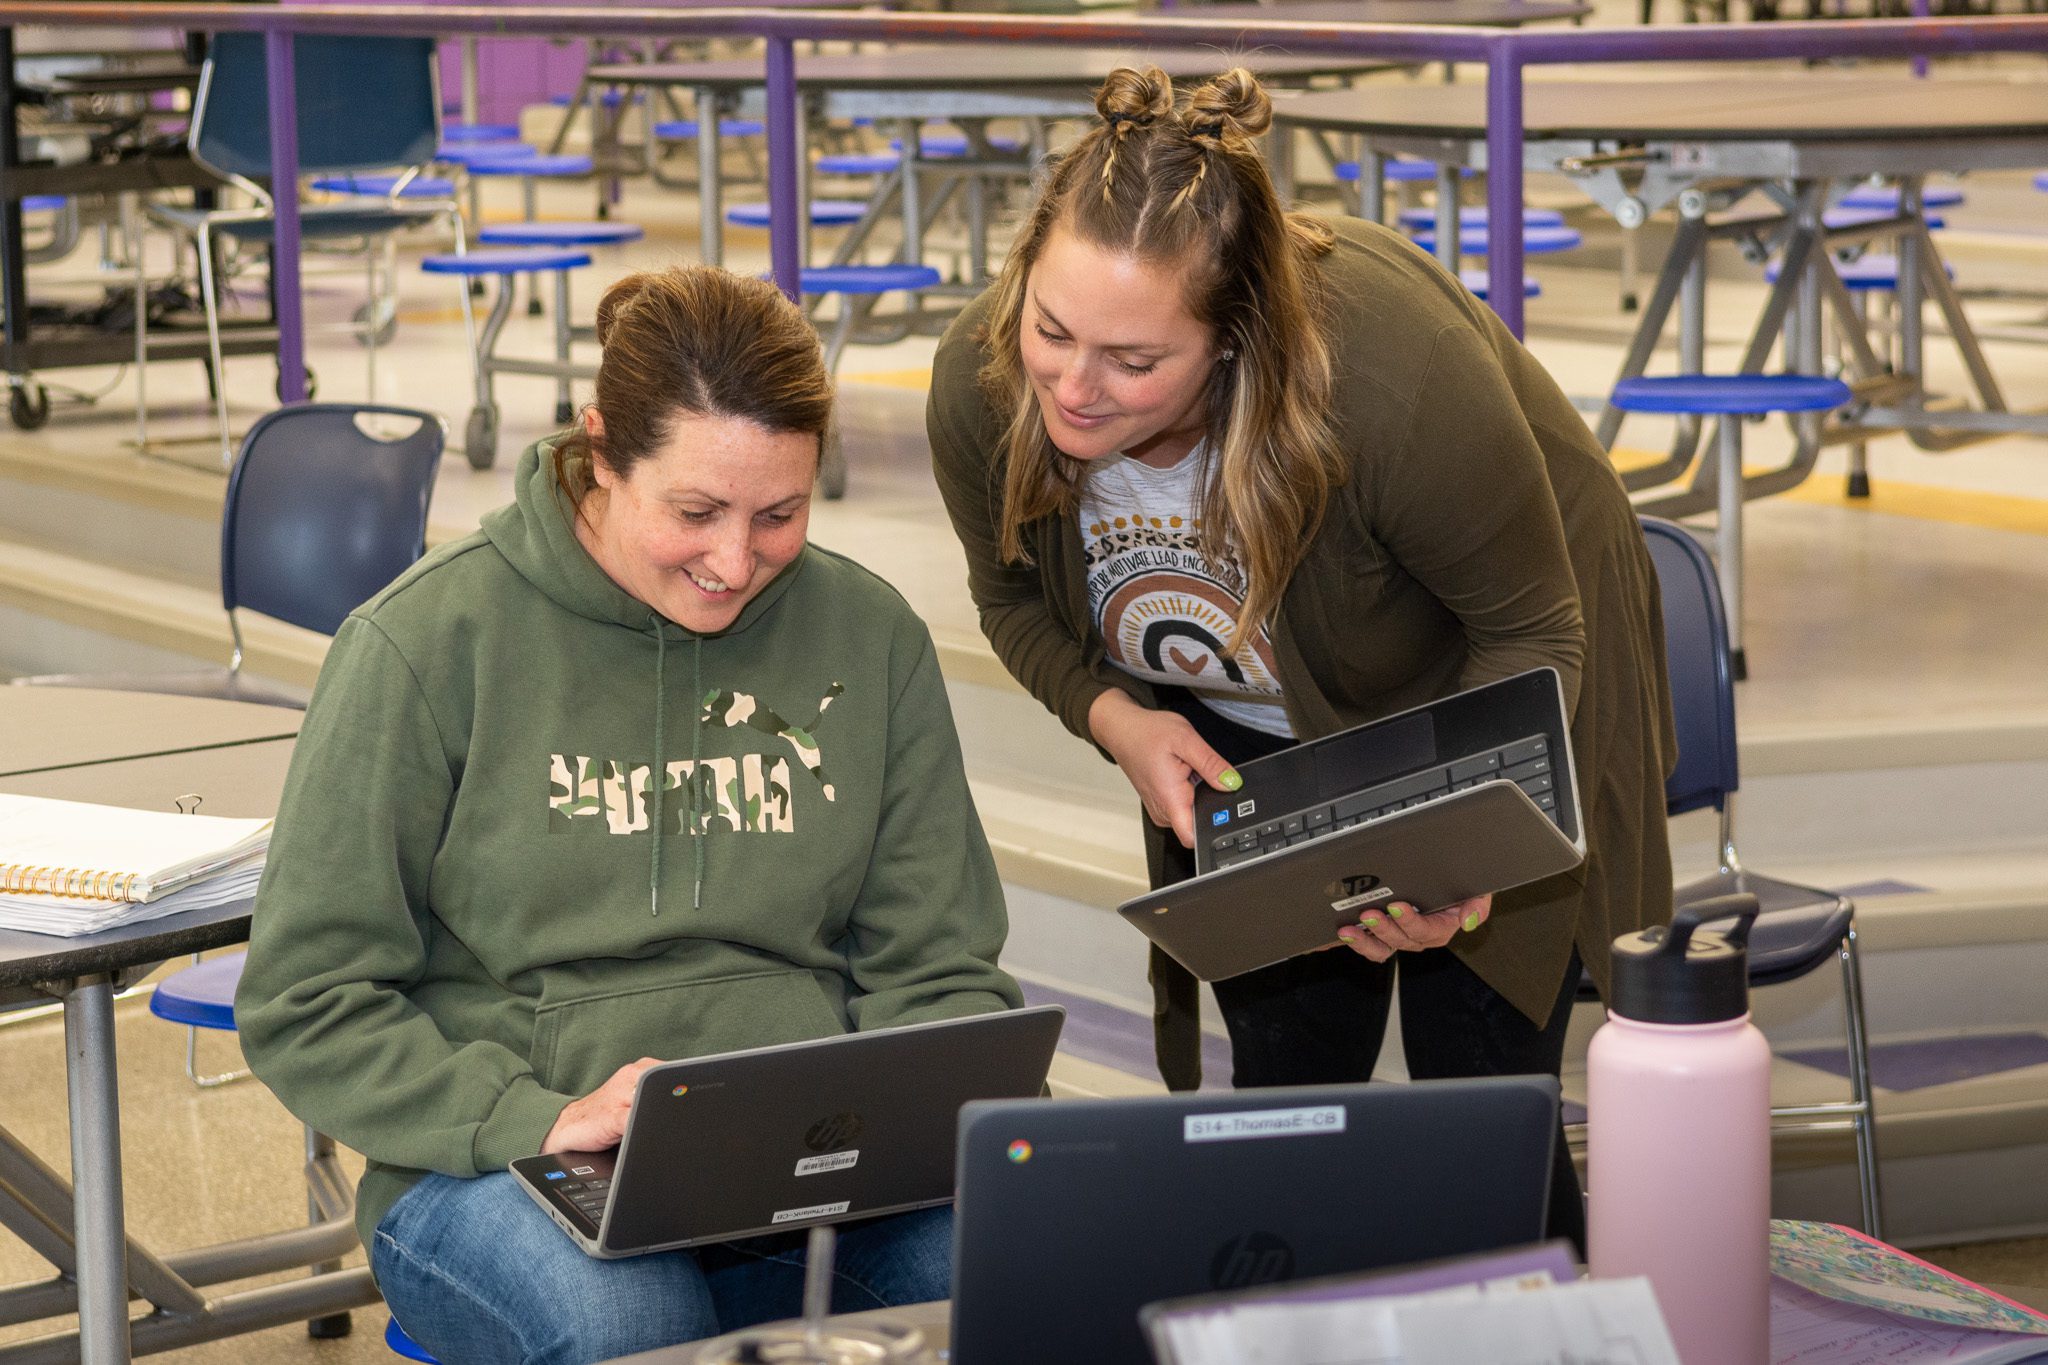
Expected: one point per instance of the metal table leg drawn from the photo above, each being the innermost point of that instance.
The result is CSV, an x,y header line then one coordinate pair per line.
x,y
710,205
96,1172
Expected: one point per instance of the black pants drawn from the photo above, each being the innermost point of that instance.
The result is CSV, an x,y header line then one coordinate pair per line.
x,y
1320,1018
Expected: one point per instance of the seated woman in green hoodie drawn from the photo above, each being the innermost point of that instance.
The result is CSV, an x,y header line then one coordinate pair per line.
x,y
631,773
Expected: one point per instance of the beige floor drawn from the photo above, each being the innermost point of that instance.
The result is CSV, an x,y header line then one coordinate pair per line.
x,y
1925,602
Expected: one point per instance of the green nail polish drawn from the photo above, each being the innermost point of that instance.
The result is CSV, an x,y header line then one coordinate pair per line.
x,y
1230,780
1370,919
1471,921
1396,911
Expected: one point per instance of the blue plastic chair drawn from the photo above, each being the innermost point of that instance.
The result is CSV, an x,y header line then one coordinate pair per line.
x,y
1730,397
319,516
365,104
1798,928
480,132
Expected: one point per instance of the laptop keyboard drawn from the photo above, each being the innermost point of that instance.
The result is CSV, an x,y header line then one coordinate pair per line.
x,y
588,1196
1526,763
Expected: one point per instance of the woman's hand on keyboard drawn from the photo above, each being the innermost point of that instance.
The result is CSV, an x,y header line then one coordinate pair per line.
x,y
1400,928
596,1122
1161,755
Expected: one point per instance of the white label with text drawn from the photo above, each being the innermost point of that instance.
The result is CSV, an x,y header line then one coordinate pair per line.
x,y
831,1161
814,1211
1353,902
1263,1123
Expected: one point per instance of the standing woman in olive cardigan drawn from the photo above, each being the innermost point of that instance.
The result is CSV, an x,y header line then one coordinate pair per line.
x,y
1230,478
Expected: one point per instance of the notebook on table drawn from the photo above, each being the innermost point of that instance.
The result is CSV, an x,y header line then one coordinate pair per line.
x,y
1468,795
742,1143
73,867
1074,1214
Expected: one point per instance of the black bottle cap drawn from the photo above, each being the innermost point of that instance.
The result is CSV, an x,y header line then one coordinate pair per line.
x,y
1683,974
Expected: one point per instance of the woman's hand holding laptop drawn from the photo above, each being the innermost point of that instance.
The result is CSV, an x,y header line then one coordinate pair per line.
x,y
1162,756
596,1122
1401,929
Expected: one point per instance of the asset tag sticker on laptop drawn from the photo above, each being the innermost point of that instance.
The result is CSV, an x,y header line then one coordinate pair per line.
x,y
1365,898
831,1161
1263,1123
814,1211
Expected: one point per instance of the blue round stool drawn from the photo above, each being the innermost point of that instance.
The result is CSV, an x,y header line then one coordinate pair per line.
x,y
1857,217
43,203
854,281
464,153
1869,273
858,163
951,146
1730,397
549,233
1886,197
530,164
824,213
480,433
1477,282
403,1345
1399,169
1536,241
685,129
479,132
202,996
380,186
1424,220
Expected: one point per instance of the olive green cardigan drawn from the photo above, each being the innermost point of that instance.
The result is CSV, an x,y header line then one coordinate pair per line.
x,y
1481,532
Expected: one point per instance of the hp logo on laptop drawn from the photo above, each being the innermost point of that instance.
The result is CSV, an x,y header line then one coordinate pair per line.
x,y
833,1132
1255,1258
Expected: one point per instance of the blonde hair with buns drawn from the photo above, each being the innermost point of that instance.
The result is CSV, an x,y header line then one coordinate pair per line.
x,y
1180,184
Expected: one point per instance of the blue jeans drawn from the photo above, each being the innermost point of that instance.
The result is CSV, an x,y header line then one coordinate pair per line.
x,y
476,1272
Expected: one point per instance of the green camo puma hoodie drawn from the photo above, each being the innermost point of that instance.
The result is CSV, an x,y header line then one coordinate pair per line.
x,y
478,905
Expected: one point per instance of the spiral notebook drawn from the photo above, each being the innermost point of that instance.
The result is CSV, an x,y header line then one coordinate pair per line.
x,y
71,867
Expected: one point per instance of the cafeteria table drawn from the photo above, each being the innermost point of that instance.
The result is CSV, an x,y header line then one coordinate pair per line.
x,y
152,752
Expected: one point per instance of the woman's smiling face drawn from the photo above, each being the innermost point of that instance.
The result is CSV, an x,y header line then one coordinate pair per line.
x,y
1114,358
706,521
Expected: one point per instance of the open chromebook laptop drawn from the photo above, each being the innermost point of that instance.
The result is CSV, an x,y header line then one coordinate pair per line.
x,y
742,1143
1074,1214
1470,794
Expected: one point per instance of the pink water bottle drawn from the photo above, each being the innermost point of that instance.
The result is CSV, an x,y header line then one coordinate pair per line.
x,y
1678,1129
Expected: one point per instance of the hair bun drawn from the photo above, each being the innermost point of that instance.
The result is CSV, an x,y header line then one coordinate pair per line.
x,y
1134,95
1233,104
619,297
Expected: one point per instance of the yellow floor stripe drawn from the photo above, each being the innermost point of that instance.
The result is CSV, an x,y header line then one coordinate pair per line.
x,y
893,379
1892,497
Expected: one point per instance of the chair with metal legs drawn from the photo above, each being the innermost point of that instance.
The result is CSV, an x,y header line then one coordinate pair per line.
x,y
1799,928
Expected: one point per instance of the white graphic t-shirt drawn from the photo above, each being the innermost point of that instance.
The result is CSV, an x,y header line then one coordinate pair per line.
x,y
1164,613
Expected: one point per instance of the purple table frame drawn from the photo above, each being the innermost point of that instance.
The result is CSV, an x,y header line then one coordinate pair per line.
x,y
1504,52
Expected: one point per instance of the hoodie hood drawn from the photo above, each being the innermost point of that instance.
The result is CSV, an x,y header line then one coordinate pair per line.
x,y
536,534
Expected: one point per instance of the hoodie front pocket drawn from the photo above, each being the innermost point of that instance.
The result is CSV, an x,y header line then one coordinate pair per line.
x,y
579,1043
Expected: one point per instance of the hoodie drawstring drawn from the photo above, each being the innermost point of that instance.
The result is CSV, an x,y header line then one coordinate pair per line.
x,y
696,739
658,779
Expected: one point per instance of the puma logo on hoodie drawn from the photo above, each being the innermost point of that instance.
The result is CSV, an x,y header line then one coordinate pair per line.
x,y
743,793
